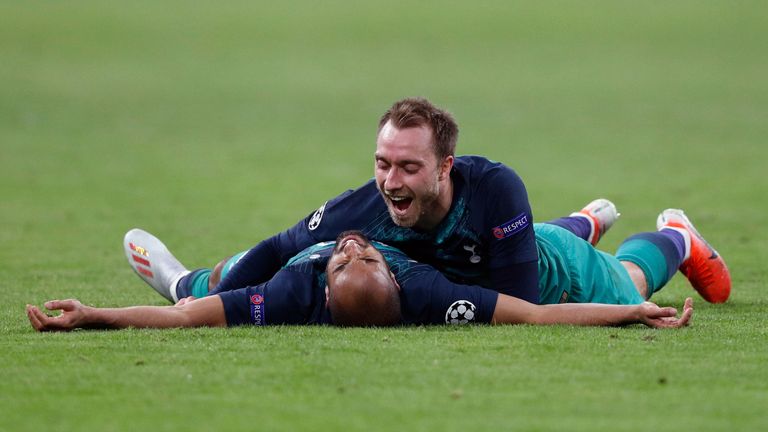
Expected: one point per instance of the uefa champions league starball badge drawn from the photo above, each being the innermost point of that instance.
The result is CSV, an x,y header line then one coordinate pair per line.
x,y
460,312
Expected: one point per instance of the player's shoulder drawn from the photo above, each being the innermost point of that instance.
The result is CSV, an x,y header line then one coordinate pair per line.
x,y
295,295
487,179
481,170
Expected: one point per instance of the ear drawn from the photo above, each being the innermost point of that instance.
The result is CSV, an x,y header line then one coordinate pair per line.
x,y
445,168
327,295
394,279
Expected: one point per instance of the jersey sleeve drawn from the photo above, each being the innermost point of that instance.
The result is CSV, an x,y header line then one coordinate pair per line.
x,y
288,298
239,309
428,297
513,255
265,259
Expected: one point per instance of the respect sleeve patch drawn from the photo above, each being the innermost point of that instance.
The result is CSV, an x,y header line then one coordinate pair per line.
x,y
244,306
257,309
511,227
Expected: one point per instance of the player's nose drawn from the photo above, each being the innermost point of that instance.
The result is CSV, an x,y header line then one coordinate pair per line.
x,y
393,181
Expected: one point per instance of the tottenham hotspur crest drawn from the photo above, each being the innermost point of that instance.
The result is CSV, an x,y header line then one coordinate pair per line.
x,y
460,312
475,258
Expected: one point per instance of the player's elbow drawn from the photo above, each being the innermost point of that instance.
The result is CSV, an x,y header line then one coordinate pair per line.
x,y
205,312
511,310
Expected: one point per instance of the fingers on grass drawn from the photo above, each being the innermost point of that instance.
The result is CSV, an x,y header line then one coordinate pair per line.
x,y
687,315
688,304
33,315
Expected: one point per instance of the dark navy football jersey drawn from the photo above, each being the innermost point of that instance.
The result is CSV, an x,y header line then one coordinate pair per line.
x,y
486,239
296,294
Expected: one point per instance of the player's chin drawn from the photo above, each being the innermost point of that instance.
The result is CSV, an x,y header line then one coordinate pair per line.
x,y
403,219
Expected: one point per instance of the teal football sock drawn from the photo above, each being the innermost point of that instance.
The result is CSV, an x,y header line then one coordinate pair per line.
x,y
194,284
656,255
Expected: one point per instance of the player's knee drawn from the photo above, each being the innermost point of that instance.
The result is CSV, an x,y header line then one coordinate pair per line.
x,y
638,278
215,277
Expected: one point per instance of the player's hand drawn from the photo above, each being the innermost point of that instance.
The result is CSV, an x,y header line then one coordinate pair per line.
x,y
73,315
665,317
186,300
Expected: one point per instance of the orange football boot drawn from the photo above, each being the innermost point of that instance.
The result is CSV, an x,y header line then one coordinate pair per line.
x,y
702,265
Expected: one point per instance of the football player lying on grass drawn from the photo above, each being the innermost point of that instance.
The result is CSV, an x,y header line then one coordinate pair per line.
x,y
354,282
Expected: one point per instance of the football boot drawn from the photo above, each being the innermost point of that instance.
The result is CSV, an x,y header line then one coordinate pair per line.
x,y
704,268
153,262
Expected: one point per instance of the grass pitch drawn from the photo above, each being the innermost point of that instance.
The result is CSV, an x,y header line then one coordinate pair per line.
x,y
215,126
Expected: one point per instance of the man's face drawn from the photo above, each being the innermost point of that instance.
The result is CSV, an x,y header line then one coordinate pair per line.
x,y
407,174
355,260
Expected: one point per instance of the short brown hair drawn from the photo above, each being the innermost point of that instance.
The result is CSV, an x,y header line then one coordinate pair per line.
x,y
417,111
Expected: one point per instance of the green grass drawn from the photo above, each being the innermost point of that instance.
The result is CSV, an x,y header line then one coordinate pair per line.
x,y
215,126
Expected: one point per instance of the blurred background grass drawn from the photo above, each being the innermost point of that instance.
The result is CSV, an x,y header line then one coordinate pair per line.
x,y
216,125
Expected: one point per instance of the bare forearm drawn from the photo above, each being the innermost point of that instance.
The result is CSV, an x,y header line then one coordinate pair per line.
x,y
136,316
208,311
587,314
510,310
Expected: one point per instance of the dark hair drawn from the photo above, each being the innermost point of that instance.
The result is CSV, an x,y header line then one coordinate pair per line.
x,y
368,304
416,111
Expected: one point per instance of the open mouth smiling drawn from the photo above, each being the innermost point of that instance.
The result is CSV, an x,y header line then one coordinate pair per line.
x,y
401,204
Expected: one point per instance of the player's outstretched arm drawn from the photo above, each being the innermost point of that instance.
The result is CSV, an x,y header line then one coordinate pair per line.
x,y
510,310
208,311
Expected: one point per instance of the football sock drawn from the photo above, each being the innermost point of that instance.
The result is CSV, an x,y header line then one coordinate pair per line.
x,y
578,225
677,238
194,284
658,254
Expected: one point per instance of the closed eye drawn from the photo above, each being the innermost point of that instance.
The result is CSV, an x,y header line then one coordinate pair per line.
x,y
381,163
411,168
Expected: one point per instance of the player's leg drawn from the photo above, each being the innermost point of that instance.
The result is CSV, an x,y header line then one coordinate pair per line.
x,y
704,268
200,282
637,276
153,262
571,270
652,259
157,266
591,222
